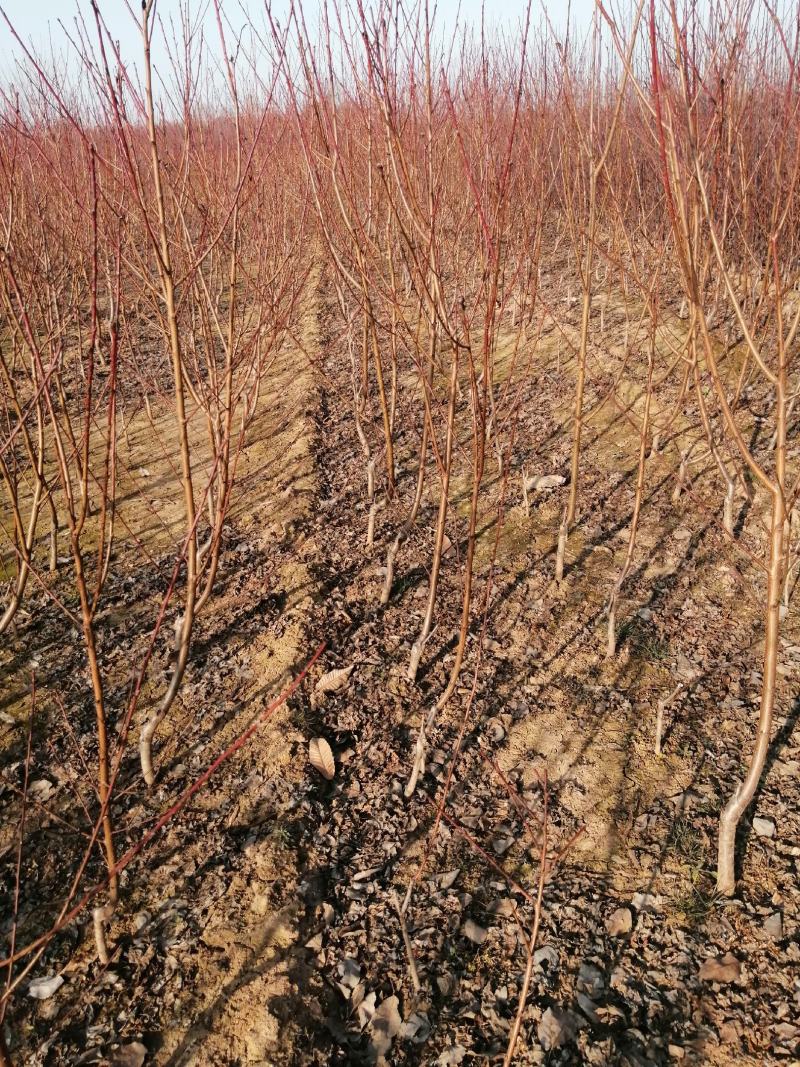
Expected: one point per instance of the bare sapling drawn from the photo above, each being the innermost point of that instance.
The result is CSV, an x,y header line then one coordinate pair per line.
x,y
613,601
691,196
595,163
169,296
41,308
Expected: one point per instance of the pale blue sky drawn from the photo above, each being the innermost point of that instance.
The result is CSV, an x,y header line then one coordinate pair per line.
x,y
37,21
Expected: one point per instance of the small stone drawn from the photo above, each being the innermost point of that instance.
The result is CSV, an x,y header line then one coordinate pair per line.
x,y
501,845
721,969
315,944
764,827
676,1052
503,908
44,988
546,955
132,1055
590,980
447,878
620,922
473,932
588,1007
556,1028
773,926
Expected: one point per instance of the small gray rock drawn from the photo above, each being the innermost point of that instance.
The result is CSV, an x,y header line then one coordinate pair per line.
x,y
132,1055
590,980
556,1028
473,932
44,988
448,878
501,845
546,955
773,926
588,1007
764,827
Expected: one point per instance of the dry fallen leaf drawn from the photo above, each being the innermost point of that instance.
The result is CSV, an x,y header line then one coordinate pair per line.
x,y
333,680
385,1026
321,757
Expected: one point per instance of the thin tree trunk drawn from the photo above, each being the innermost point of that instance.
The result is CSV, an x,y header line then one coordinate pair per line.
x,y
743,794
168,292
419,645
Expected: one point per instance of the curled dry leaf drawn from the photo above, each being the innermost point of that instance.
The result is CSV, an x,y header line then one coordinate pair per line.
x,y
334,680
321,757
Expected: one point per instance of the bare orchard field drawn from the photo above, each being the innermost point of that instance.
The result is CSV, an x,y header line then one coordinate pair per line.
x,y
398,542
